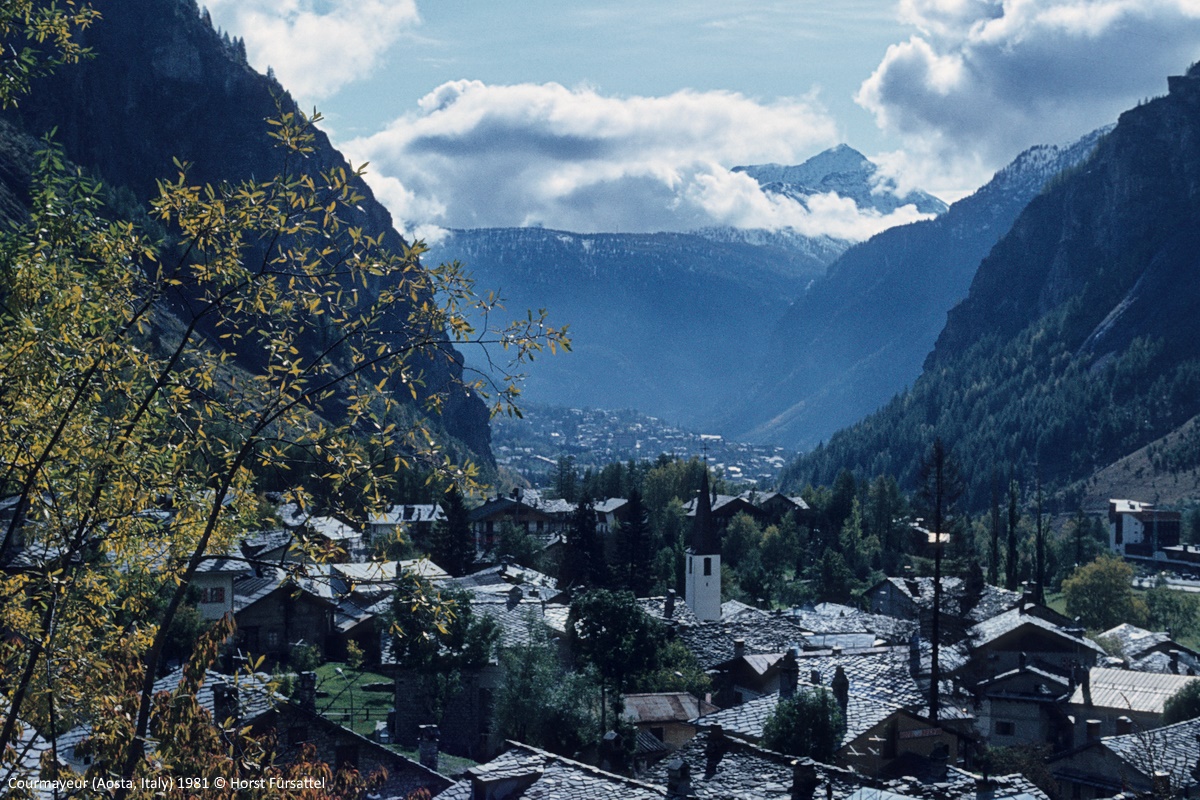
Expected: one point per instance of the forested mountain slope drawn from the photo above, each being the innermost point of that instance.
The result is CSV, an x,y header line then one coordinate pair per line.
x,y
1079,341
164,85
660,322
860,335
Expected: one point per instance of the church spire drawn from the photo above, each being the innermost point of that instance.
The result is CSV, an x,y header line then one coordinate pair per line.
x,y
705,540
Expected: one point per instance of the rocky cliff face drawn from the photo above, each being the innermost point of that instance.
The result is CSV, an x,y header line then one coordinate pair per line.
x,y
1115,239
165,85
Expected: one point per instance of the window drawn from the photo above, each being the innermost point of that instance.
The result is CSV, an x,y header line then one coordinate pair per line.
x,y
690,567
216,594
708,566
1005,728
272,640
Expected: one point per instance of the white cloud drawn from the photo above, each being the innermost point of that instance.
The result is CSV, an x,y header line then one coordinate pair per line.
x,y
984,79
316,47
478,155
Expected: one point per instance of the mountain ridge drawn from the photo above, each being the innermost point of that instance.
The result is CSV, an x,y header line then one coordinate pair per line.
x,y
862,333
1077,343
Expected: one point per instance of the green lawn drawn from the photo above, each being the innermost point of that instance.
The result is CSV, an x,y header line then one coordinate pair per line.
x,y
343,698
1058,602
347,702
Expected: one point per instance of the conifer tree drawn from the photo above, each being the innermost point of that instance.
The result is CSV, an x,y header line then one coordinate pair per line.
x,y
453,541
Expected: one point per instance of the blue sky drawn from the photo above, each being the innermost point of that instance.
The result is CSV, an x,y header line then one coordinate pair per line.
x,y
625,115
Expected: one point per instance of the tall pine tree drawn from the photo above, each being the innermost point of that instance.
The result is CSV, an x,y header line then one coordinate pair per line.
x,y
453,541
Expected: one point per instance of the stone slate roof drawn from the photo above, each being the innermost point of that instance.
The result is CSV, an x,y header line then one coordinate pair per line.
x,y
862,713
1161,662
833,618
413,513
1130,690
723,768
992,629
29,747
1172,748
712,642
730,769
775,632
994,601
731,608
504,575
249,590
1135,641
539,775
656,608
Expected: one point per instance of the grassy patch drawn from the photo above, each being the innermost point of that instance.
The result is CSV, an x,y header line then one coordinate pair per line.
x,y
343,697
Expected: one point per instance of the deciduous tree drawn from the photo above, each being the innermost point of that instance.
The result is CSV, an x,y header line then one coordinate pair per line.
x,y
1101,593
140,377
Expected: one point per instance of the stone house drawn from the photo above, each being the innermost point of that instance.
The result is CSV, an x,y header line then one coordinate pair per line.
x,y
1024,706
665,715
1164,762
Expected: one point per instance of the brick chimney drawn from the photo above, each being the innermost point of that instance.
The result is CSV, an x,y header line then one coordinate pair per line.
x,y
1092,727
739,648
427,749
1174,662
1124,725
669,605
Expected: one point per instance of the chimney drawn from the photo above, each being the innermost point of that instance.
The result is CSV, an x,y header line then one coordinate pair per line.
x,y
514,597
1124,726
669,606
1093,730
1022,659
804,780
1162,785
679,780
1085,681
714,750
739,648
427,750
1174,662
306,691
914,654
814,677
841,688
789,673
225,704
836,650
